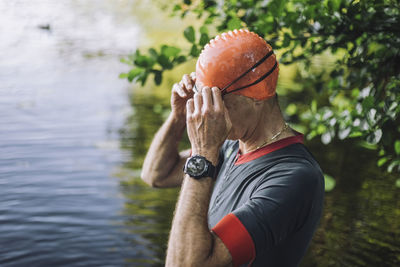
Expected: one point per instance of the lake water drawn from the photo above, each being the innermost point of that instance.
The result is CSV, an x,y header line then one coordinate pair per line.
x,y
61,106
72,138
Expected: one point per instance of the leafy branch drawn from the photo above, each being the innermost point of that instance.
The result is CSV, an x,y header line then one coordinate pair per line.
x,y
358,98
167,57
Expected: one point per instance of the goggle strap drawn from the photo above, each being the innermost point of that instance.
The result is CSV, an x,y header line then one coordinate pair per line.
x,y
253,67
256,81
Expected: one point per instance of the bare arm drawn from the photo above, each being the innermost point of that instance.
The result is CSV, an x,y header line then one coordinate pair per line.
x,y
163,164
191,242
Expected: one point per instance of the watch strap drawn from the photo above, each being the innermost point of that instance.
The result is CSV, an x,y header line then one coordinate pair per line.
x,y
211,170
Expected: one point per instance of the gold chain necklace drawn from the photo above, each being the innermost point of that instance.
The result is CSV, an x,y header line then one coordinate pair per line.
x,y
284,128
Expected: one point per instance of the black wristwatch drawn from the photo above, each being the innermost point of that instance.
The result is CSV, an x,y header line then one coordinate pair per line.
x,y
198,167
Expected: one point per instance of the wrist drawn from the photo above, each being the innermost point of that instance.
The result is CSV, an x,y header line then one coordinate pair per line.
x,y
177,120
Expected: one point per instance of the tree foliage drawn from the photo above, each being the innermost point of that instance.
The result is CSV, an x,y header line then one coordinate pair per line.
x,y
356,98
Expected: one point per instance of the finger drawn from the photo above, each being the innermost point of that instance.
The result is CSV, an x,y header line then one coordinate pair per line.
x,y
187,82
178,89
217,99
198,102
195,90
193,76
207,99
189,108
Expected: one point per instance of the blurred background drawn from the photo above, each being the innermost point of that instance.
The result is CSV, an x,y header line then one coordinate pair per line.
x,y
73,137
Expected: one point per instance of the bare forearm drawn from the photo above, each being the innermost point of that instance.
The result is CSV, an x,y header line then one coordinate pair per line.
x,y
163,153
191,242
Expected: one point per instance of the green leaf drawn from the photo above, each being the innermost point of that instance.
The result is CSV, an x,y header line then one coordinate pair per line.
x,y
334,4
393,164
158,77
314,106
234,23
330,182
276,7
170,51
176,8
179,59
326,138
355,134
291,109
126,61
143,61
368,103
377,136
286,40
143,80
382,161
189,34
153,53
397,147
204,29
164,62
398,183
204,39
194,51
143,77
135,73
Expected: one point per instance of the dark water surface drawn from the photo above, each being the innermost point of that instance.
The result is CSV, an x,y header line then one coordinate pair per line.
x,y
61,105
72,142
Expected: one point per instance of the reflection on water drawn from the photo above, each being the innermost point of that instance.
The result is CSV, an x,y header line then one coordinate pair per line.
x,y
148,215
148,113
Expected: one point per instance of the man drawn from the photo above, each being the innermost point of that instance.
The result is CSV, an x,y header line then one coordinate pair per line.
x,y
251,192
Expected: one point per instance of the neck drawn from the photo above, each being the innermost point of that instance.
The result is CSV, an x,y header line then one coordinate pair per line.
x,y
270,125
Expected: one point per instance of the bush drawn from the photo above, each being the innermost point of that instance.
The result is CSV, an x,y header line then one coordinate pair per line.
x,y
357,98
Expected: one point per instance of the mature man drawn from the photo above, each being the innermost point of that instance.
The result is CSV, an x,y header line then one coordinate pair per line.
x,y
251,192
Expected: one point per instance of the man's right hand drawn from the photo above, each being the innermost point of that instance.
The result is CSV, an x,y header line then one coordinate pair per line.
x,y
181,93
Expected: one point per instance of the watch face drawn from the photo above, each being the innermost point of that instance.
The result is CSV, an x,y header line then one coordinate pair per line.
x,y
196,166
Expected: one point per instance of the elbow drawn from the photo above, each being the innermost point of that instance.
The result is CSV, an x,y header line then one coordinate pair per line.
x,y
192,256
149,179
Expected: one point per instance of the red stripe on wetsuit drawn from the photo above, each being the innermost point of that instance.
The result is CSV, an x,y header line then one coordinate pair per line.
x,y
236,238
269,148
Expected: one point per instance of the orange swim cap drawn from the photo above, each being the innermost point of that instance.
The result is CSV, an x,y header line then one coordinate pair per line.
x,y
230,55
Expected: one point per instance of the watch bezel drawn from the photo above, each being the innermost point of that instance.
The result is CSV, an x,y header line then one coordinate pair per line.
x,y
203,172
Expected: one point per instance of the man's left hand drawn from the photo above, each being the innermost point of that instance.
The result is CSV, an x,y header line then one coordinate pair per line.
x,y
208,122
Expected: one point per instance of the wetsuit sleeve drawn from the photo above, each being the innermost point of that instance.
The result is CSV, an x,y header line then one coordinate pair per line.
x,y
277,208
